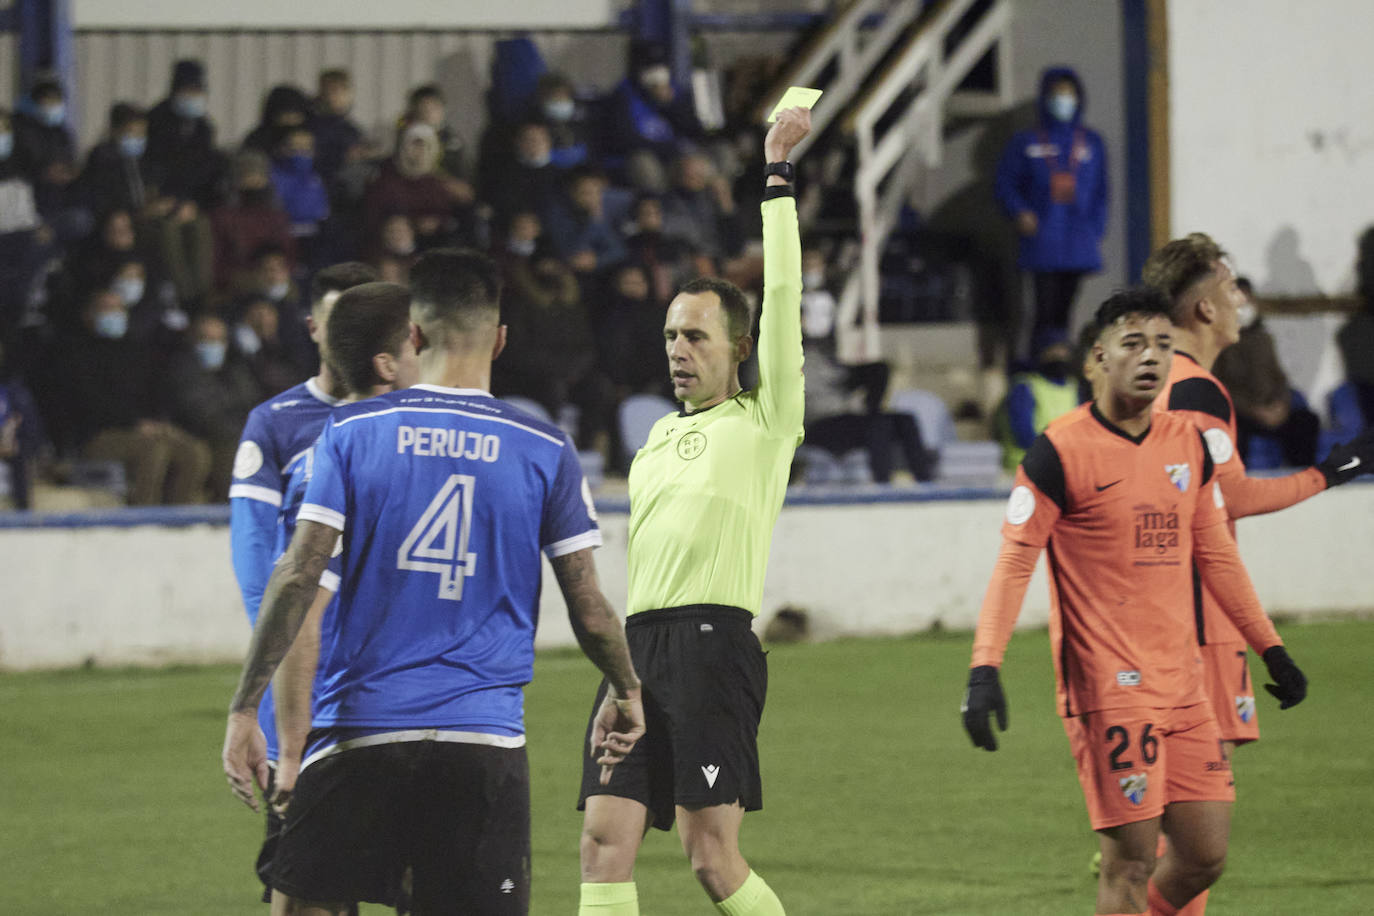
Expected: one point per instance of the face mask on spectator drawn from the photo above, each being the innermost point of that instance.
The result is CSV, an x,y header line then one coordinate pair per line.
x,y
112,325
1246,314
277,291
1063,106
189,106
210,353
247,339
521,247
560,109
654,77
813,279
6,144
130,289
53,114
536,162
132,146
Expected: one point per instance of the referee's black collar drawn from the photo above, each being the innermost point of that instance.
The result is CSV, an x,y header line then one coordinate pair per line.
x,y
682,412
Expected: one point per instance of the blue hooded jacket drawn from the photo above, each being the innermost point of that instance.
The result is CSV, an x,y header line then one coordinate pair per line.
x,y
1069,233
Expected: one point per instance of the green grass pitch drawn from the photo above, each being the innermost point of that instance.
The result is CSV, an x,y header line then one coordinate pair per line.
x,y
876,804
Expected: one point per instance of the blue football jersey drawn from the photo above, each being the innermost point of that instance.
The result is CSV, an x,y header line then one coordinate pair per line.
x,y
278,433
445,498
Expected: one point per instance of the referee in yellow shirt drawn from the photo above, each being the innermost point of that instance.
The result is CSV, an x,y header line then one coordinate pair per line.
x,y
705,492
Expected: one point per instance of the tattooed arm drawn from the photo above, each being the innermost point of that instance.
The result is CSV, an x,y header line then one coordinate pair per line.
x,y
289,593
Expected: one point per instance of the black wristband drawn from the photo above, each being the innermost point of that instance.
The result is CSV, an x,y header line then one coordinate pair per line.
x,y
774,191
784,170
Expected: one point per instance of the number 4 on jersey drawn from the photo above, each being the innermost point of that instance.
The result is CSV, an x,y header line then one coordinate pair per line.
x,y
439,541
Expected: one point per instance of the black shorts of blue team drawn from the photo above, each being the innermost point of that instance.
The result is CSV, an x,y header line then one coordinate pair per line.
x,y
457,815
705,679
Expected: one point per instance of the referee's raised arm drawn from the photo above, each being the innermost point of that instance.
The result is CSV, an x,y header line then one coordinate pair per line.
x,y
780,341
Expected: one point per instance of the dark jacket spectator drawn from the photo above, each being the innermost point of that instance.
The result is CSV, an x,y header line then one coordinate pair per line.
x,y
299,188
629,334
24,243
257,336
701,209
576,225
45,149
527,181
181,141
647,112
668,259
556,104
339,142
284,108
250,220
117,175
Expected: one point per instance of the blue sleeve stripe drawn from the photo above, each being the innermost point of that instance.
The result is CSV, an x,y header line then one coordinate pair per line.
x,y
578,542
322,514
448,410
252,491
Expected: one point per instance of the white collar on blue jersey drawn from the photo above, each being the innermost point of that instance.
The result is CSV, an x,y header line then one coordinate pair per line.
x,y
319,393
465,392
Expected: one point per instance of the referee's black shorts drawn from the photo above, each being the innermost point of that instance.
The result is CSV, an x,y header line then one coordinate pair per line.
x,y
705,679
457,814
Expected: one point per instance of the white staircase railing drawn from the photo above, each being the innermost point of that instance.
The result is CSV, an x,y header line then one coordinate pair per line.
x,y
856,52
890,162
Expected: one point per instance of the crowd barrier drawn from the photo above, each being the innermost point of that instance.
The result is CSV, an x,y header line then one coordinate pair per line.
x,y
155,586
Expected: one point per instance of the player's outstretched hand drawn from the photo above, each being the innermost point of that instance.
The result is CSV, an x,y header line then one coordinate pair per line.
x,y
618,725
245,757
984,696
1290,684
1349,460
787,131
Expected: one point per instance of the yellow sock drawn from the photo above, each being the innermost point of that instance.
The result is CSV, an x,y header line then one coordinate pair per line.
x,y
754,898
609,900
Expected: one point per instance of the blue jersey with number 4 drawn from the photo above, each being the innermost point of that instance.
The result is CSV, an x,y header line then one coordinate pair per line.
x,y
445,498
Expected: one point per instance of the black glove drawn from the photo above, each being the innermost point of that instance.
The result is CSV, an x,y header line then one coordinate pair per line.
x,y
1349,460
984,695
1290,684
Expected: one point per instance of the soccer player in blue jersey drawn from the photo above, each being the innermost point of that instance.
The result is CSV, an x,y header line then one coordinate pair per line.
x,y
705,492
444,498
370,354
277,434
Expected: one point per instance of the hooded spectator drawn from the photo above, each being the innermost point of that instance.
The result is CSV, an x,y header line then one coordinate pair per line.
x,y
181,141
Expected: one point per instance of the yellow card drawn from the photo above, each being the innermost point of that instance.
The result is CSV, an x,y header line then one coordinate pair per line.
x,y
794,97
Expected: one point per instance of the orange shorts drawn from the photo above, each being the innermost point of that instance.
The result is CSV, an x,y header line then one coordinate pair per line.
x,y
1226,670
1133,762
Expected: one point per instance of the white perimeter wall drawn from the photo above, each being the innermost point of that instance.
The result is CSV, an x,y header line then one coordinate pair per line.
x,y
1271,136
150,595
336,14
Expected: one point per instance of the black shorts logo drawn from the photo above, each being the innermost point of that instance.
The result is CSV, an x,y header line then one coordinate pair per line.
x,y
691,445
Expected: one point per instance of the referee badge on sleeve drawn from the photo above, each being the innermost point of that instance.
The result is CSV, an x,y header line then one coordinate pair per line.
x,y
1021,506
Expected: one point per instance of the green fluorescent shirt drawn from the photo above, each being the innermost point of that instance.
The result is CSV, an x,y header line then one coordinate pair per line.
x,y
706,489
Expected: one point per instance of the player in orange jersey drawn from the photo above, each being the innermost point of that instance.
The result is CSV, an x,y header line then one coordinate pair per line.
x,y
1126,503
1193,272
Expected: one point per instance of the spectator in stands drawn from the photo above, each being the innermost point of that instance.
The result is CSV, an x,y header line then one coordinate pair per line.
x,y
396,249
410,184
1038,396
651,121
629,335
24,240
251,219
156,319
550,354
577,225
283,110
555,103
118,177
1266,405
1356,336
45,148
114,409
21,434
1052,182
426,106
181,141
700,209
668,260
299,188
528,180
257,336
340,147
211,390
834,421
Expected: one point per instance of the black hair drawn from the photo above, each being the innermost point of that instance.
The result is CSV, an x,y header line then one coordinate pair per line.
x,y
338,277
368,319
1145,301
739,317
457,287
